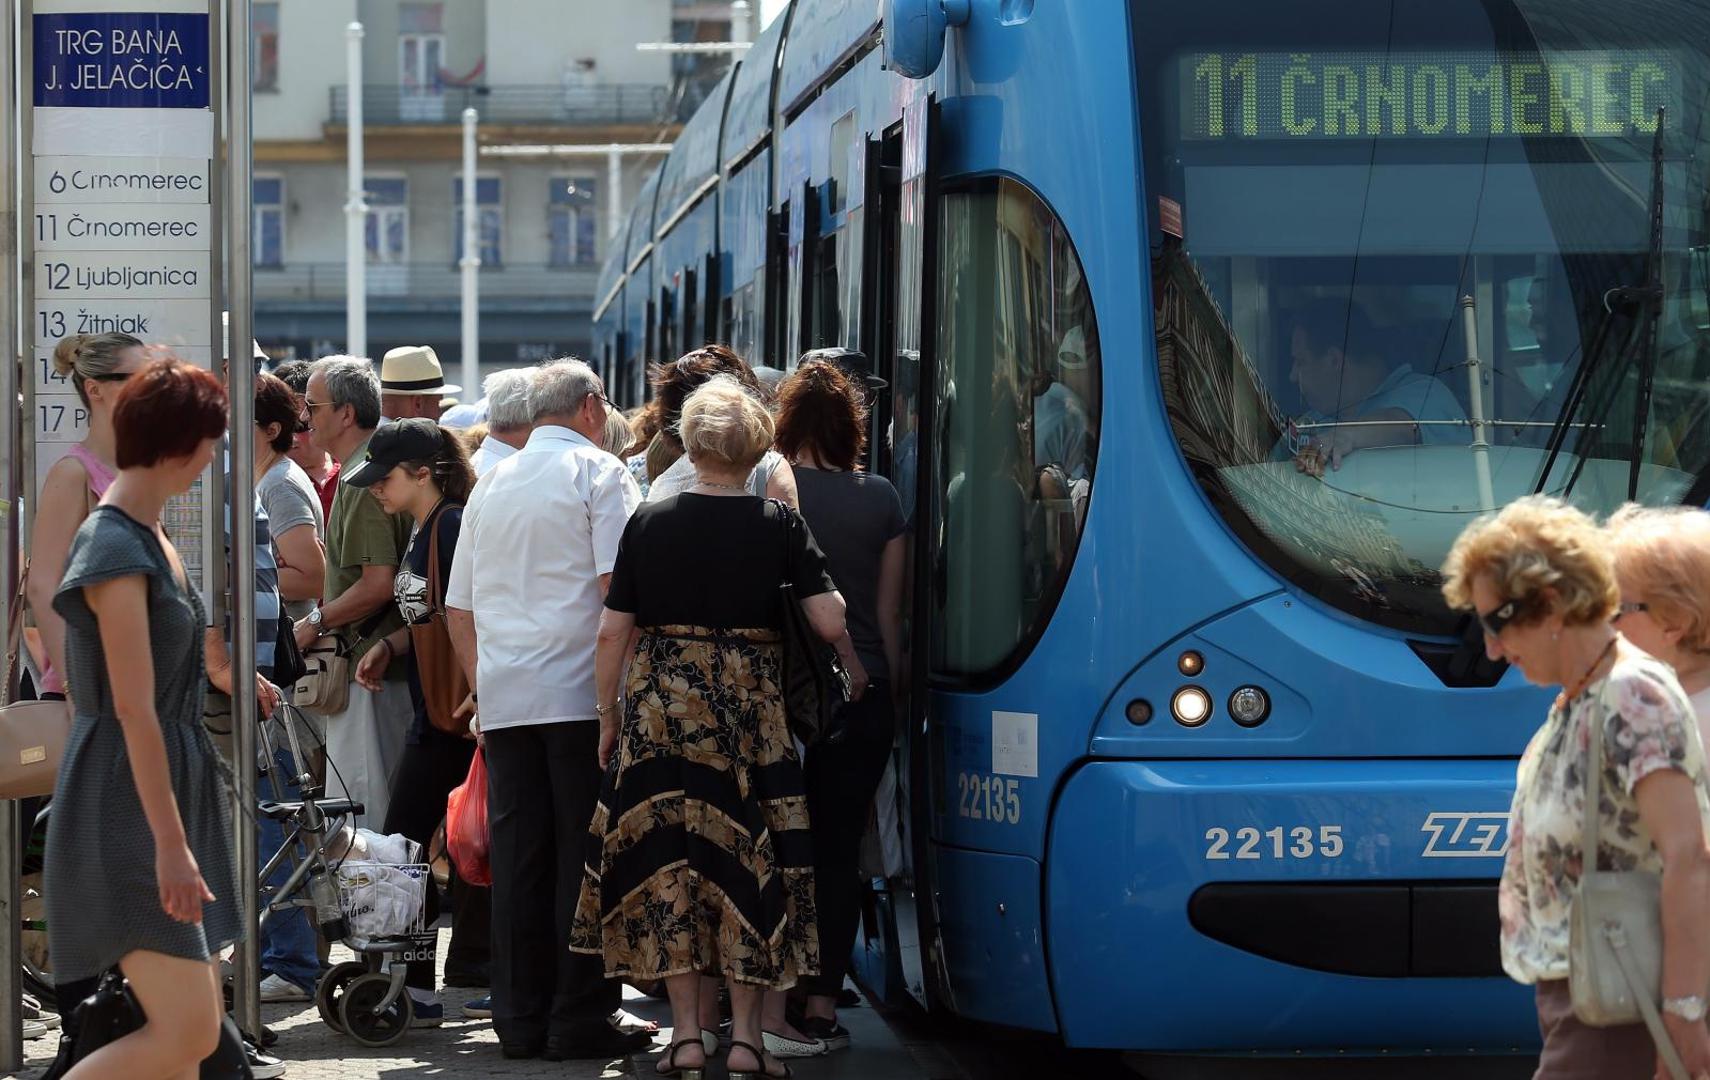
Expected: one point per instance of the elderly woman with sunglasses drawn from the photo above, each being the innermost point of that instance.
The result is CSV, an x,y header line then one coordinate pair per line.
x,y
1541,580
1662,561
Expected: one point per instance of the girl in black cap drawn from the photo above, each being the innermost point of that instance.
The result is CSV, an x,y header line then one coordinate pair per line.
x,y
418,468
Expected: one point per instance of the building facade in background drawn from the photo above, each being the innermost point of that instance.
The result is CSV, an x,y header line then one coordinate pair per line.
x,y
537,71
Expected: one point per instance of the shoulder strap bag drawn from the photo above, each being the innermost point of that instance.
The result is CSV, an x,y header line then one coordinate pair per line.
x,y
815,684
324,686
32,733
1615,943
440,673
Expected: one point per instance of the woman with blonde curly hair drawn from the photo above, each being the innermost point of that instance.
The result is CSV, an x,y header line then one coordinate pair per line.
x,y
1662,562
700,859
1540,578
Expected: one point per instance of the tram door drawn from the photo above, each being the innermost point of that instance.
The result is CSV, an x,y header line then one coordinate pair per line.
x,y
898,263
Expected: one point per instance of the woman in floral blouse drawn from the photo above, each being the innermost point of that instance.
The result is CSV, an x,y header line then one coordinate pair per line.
x,y
1541,579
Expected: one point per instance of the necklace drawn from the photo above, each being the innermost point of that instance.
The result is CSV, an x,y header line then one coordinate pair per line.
x,y
722,487
1570,692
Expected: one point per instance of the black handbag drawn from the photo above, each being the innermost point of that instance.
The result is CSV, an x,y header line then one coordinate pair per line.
x,y
112,1012
288,662
815,683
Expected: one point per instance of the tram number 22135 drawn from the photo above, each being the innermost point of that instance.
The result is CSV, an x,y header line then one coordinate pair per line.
x,y
988,798
1300,842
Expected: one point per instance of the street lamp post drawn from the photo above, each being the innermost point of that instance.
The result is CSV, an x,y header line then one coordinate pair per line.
x,y
471,265
355,206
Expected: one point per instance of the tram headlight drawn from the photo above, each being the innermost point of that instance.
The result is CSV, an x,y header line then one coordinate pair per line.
x,y
1190,663
1139,712
1249,706
1191,706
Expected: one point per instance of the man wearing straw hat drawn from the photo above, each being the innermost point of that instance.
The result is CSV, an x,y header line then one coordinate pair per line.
x,y
412,383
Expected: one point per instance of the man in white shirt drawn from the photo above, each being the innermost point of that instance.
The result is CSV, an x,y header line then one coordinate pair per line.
x,y
509,418
540,537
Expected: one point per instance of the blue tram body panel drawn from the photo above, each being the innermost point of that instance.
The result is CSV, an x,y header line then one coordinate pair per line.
x,y
1321,880
1134,843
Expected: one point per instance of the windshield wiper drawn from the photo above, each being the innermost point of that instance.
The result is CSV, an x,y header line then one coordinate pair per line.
x,y
1644,303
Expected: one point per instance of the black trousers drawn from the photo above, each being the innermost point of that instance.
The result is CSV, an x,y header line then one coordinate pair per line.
x,y
542,783
841,778
426,774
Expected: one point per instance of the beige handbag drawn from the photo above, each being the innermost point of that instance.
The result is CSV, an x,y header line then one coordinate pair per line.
x,y
325,685
1615,943
32,733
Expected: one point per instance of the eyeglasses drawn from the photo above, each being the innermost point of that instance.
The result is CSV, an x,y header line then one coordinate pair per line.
x,y
1632,607
113,376
610,404
1494,622
311,406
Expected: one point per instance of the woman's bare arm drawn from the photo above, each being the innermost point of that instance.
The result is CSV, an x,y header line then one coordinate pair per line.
x,y
63,505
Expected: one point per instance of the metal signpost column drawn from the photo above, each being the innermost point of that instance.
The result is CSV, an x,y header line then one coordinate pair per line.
x,y
246,996
11,1018
471,264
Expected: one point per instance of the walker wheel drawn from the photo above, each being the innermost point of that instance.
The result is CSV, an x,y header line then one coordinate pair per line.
x,y
363,1018
332,987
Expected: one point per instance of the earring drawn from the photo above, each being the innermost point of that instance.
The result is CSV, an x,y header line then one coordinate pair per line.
x,y
1555,635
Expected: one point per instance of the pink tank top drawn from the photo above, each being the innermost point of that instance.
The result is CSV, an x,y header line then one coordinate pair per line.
x,y
100,479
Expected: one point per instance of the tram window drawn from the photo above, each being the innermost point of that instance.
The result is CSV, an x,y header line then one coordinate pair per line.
x,y
1017,424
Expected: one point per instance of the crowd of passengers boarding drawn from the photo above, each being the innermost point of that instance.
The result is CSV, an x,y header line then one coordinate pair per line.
x,y
608,591
592,600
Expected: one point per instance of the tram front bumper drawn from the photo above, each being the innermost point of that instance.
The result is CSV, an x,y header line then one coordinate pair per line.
x,y
1282,906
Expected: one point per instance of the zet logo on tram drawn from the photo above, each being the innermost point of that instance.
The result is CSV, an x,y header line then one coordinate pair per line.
x,y
1465,835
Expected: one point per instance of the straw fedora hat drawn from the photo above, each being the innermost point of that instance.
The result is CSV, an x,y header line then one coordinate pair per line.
x,y
414,369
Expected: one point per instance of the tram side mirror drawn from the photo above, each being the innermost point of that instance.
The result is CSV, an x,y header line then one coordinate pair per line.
x,y
914,33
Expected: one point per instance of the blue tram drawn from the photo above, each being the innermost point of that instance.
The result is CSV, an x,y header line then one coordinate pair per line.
x,y
1196,759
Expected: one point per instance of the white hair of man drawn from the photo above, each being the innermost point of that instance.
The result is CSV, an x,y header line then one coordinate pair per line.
x,y
351,380
507,394
559,389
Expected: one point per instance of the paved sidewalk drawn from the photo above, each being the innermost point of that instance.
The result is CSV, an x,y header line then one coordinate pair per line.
x,y
469,1048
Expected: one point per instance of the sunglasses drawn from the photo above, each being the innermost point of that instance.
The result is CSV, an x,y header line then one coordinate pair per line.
x,y
1632,607
1496,621
311,406
113,376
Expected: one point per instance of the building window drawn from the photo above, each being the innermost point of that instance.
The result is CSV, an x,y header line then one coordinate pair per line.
x,y
386,231
264,41
267,243
489,205
421,47
571,221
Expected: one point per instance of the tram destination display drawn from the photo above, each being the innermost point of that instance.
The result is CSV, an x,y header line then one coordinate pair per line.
x,y
1421,95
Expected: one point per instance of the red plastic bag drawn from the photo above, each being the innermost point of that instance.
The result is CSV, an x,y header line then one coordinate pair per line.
x,y
466,834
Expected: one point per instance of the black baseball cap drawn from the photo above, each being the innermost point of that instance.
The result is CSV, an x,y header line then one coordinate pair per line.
x,y
854,363
392,444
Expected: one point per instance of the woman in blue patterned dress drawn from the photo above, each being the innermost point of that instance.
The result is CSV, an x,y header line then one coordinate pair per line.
x,y
139,867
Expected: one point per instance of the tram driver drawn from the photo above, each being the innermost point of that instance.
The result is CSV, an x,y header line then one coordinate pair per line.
x,y
1354,399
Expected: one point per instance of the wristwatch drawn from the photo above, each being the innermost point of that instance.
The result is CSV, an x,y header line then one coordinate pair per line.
x,y
315,618
1692,1009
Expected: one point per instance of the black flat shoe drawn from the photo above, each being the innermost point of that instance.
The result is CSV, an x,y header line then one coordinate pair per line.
x,y
516,1051
834,1035
608,1044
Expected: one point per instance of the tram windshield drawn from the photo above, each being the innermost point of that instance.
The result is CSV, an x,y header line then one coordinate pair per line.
x,y
1415,260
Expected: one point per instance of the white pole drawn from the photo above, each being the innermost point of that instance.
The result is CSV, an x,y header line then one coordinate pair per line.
x,y
614,193
355,205
1475,405
471,264
739,25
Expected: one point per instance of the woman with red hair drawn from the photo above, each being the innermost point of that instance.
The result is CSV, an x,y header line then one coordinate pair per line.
x,y
139,867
